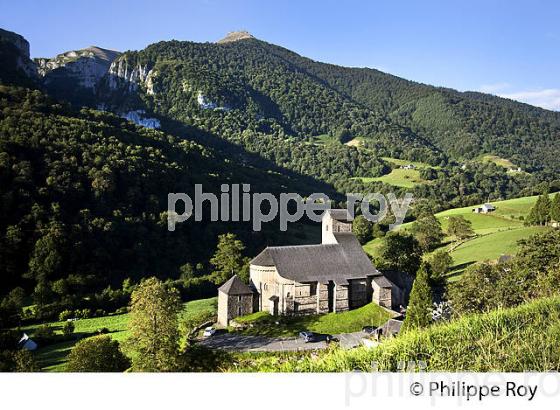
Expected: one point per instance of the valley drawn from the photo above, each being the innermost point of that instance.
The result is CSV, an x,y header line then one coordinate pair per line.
x,y
93,140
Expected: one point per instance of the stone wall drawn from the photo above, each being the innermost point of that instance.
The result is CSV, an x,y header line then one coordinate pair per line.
x,y
232,306
358,293
305,298
330,226
341,298
382,296
268,283
322,298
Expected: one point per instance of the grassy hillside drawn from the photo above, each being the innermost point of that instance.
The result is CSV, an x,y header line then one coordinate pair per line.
x,y
405,178
53,357
497,232
512,340
502,162
331,323
492,246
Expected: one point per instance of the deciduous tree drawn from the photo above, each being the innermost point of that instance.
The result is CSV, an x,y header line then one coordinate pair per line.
x,y
97,354
229,259
427,230
154,335
460,227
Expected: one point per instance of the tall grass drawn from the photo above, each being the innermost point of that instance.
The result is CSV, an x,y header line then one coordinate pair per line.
x,y
524,338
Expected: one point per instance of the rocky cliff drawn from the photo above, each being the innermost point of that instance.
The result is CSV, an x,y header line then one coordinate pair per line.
x,y
84,67
235,36
21,56
124,74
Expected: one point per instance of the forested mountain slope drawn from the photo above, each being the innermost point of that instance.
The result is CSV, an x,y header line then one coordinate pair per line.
x,y
250,84
83,195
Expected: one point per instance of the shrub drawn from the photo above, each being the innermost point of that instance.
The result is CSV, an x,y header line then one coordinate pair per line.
x,y
97,354
83,313
100,313
65,315
24,361
68,328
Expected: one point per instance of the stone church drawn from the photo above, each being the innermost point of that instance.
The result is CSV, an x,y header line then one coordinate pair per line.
x,y
333,276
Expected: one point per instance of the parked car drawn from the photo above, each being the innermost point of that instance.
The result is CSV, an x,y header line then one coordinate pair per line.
x,y
369,329
308,336
209,331
331,339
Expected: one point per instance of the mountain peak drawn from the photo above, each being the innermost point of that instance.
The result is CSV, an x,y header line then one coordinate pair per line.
x,y
236,36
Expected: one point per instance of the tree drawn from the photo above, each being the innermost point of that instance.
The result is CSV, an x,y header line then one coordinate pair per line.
x,y
541,212
97,354
10,306
427,230
419,310
68,328
400,252
555,208
362,228
440,262
154,335
24,361
229,259
459,227
475,292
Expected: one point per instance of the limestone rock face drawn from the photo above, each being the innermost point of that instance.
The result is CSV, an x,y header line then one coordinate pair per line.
x,y
87,66
23,60
138,117
236,36
123,74
19,41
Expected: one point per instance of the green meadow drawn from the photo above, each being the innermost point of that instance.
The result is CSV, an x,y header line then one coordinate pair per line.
x,y
405,178
263,323
497,233
502,162
53,357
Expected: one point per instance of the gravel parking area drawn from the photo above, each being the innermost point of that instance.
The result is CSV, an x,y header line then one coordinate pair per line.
x,y
246,343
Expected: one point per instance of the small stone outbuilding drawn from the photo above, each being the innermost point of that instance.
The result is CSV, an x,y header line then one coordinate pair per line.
x,y
235,299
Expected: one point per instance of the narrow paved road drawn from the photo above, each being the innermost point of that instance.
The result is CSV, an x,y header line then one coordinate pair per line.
x,y
246,343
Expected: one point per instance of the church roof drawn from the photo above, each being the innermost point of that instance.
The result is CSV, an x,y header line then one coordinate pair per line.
x,y
338,262
235,286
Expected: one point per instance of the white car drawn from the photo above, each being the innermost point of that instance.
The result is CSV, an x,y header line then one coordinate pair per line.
x,y
209,331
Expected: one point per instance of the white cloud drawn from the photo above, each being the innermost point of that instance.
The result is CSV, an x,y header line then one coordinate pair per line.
x,y
493,88
548,98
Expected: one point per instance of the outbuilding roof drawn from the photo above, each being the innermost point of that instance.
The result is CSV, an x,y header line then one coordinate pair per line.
x,y
235,286
391,328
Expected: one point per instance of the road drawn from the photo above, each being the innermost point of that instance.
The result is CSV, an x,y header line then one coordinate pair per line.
x,y
245,343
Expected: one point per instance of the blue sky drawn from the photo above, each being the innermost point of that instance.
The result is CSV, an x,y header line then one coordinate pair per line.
x,y
508,48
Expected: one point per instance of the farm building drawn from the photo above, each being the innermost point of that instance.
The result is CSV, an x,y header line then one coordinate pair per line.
x,y
484,209
26,343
